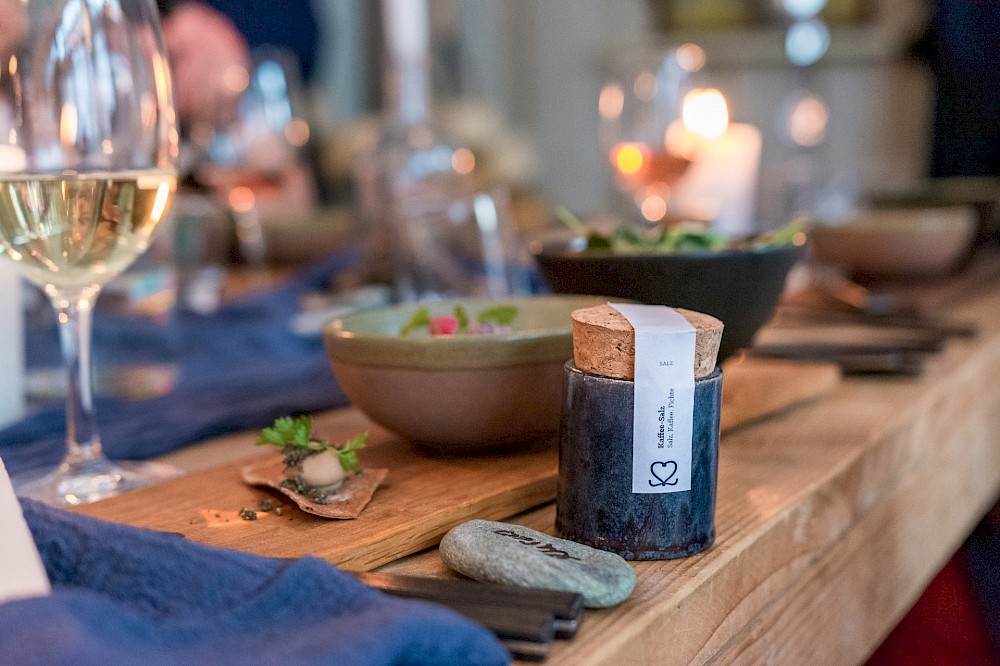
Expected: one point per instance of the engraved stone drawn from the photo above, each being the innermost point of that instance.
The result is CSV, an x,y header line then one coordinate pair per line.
x,y
514,555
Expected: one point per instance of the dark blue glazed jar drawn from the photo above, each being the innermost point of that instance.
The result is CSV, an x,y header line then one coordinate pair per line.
x,y
595,502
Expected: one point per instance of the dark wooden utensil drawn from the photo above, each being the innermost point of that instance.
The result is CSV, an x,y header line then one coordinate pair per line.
x,y
525,620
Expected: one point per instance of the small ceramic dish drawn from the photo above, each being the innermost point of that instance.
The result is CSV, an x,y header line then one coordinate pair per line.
x,y
461,393
897,243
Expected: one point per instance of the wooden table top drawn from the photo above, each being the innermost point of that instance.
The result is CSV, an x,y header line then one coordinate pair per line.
x,y
831,519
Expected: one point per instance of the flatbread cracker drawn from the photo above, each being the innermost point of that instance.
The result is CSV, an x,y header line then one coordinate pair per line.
x,y
346,503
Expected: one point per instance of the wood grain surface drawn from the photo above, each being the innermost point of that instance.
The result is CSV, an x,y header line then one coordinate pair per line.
x,y
755,388
831,520
424,496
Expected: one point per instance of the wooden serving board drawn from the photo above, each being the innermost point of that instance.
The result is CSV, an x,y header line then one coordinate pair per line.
x,y
423,496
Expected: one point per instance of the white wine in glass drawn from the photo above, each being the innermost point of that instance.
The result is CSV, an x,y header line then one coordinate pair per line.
x,y
88,143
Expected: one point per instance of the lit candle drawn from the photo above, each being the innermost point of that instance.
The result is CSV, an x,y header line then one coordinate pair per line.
x,y
721,183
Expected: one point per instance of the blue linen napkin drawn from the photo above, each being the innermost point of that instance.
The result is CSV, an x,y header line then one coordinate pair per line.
x,y
240,368
124,595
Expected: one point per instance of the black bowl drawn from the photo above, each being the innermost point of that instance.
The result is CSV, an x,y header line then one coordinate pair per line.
x,y
741,287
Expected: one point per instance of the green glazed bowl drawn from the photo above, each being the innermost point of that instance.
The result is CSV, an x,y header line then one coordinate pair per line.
x,y
462,393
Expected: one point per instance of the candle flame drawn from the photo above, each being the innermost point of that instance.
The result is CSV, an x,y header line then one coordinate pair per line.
x,y
705,113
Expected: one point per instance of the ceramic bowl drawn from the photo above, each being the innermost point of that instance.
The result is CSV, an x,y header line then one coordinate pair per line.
x,y
741,287
462,393
883,244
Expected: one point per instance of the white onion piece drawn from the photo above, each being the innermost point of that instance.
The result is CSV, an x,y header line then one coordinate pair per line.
x,y
322,469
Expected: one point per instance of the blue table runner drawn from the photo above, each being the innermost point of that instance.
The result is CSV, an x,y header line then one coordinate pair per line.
x,y
239,369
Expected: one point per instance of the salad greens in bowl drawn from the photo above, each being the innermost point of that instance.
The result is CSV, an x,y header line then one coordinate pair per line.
x,y
738,281
458,376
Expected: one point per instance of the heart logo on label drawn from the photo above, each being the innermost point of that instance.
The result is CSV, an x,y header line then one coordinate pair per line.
x,y
663,480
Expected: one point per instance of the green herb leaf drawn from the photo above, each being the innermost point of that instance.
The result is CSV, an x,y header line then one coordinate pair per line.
x,y
793,233
287,430
270,436
596,241
685,236
502,315
420,318
463,319
294,436
571,221
348,452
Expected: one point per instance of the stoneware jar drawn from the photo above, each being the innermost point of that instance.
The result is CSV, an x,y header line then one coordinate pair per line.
x,y
596,505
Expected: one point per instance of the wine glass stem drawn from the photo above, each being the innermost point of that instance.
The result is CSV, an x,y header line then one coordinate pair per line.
x,y
74,314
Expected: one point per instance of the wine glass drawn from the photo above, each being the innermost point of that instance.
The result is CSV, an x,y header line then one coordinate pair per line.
x,y
87,150
642,130
253,160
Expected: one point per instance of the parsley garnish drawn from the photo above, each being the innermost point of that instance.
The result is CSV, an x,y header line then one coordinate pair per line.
x,y
501,315
462,318
294,436
420,318
498,315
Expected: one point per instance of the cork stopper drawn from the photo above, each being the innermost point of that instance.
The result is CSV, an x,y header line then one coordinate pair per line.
x,y
604,342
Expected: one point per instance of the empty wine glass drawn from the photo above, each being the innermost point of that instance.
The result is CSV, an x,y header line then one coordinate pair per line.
x,y
87,151
254,158
643,132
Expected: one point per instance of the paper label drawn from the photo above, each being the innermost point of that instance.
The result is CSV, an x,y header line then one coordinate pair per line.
x,y
664,398
21,571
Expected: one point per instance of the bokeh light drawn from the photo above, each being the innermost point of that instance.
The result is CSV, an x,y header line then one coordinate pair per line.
x,y
806,42
463,161
802,9
705,112
653,207
808,117
628,158
690,57
242,199
644,86
611,102
297,132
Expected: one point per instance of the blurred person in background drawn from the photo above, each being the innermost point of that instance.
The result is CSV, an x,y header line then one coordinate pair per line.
x,y
11,23
207,39
210,44
962,47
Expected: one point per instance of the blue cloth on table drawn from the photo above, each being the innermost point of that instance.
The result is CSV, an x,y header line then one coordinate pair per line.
x,y
123,595
240,368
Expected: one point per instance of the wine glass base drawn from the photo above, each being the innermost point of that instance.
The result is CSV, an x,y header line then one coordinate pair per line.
x,y
101,479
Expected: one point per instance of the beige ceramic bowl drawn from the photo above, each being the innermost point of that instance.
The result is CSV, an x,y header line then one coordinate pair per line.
x,y
897,242
458,394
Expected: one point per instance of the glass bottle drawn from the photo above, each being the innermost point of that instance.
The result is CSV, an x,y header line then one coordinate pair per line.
x,y
414,191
